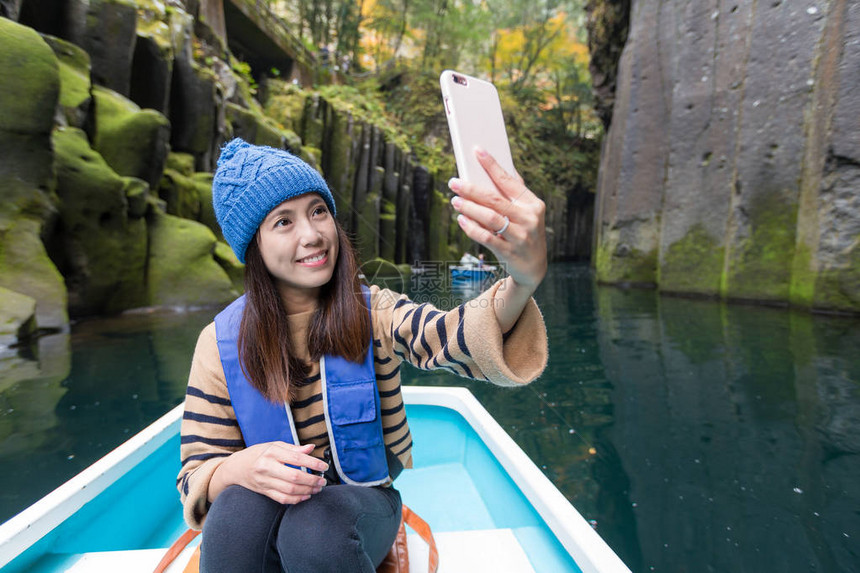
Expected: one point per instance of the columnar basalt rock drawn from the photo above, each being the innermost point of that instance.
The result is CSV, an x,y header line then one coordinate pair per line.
x,y
98,247
29,94
730,169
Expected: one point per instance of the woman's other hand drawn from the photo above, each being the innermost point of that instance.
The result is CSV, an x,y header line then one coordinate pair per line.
x,y
262,468
512,209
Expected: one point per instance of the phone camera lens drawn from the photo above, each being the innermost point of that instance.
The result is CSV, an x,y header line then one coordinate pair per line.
x,y
460,80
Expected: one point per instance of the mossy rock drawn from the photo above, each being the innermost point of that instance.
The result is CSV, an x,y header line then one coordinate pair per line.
x,y
31,80
387,235
203,181
181,195
25,267
180,162
311,156
839,288
109,34
286,104
339,160
439,220
134,142
292,141
17,317
153,22
137,196
26,177
182,270
694,264
254,127
74,67
269,133
193,111
618,262
225,257
760,263
100,250
367,229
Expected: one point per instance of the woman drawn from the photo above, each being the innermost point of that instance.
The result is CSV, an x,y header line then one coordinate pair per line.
x,y
288,377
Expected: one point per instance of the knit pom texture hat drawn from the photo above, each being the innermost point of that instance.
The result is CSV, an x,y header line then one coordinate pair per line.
x,y
250,181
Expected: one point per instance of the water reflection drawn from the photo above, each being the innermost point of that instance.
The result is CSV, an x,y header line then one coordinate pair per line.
x,y
737,428
78,396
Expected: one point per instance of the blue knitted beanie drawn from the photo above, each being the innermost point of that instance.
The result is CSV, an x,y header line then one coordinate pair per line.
x,y
251,180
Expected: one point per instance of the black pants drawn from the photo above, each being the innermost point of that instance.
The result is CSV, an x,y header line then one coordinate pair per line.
x,y
342,529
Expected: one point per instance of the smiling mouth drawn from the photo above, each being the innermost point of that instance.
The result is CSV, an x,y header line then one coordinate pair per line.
x,y
315,258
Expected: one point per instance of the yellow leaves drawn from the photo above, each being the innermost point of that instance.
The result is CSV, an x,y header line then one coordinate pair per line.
x,y
552,44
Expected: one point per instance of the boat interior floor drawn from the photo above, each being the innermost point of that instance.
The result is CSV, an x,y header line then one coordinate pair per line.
x,y
490,550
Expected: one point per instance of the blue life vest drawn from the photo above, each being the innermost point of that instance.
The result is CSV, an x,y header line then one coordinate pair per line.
x,y
350,404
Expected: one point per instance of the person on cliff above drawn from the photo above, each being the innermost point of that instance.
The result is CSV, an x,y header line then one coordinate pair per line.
x,y
294,426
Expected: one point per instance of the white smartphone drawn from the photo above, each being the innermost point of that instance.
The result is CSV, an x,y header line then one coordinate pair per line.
x,y
475,120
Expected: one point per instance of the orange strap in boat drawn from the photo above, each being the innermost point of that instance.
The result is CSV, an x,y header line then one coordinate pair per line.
x,y
176,549
423,530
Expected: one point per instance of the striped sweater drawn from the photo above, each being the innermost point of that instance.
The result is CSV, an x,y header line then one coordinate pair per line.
x,y
465,341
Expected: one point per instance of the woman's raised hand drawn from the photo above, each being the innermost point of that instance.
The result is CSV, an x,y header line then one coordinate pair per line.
x,y
508,220
261,468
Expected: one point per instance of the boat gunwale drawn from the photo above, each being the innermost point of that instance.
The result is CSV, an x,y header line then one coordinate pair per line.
x,y
25,529
590,552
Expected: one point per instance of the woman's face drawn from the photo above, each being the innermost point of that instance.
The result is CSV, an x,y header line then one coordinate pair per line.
x,y
299,245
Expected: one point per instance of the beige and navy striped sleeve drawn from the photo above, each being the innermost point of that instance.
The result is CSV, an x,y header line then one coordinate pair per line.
x,y
466,340
209,431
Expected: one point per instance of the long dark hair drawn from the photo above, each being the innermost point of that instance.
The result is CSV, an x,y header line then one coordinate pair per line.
x,y
340,325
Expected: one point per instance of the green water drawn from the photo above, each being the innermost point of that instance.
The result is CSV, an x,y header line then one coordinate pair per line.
x,y
725,437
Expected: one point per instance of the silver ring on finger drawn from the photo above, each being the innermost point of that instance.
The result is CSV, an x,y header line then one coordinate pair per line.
x,y
504,227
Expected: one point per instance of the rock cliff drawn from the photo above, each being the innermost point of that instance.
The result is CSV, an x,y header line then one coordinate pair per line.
x,y
732,165
112,114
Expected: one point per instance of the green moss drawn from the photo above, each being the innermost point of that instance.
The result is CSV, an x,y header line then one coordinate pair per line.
x,y
26,177
439,219
269,133
74,68
153,22
286,105
312,156
203,182
617,263
134,142
367,231
803,277
693,264
101,250
137,196
292,139
181,268
839,288
760,265
182,163
365,107
31,80
17,316
181,195
225,257
253,127
387,235
25,267
339,162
